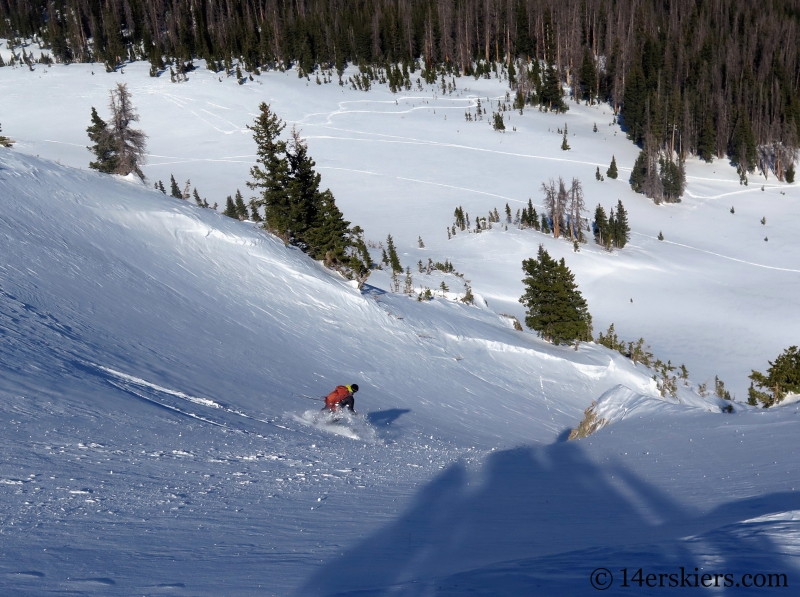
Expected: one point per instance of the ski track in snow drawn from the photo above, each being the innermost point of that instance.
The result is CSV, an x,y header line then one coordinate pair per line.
x,y
761,265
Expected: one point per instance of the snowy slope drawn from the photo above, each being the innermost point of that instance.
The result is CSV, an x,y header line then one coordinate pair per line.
x,y
713,295
155,356
154,359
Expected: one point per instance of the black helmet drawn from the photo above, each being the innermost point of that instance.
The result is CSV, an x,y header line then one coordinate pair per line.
x,y
354,387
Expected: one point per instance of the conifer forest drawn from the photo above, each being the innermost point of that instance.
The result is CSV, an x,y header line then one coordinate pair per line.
x,y
713,78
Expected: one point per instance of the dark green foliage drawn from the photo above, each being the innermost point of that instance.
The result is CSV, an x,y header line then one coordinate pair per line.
x,y
555,307
612,169
673,66
783,378
241,208
254,215
601,226
660,235
564,145
673,180
230,208
271,173
707,143
620,231
394,260
610,340
175,191
497,121
639,172
160,186
103,146
197,200
790,173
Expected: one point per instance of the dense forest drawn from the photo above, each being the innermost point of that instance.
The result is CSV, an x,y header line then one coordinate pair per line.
x,y
712,78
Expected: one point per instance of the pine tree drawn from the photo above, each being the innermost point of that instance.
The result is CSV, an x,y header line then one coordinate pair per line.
x,y
707,143
197,199
230,209
612,169
789,175
160,187
639,172
564,145
783,378
600,224
241,208
254,215
129,144
271,173
555,307
174,190
102,148
621,230
394,260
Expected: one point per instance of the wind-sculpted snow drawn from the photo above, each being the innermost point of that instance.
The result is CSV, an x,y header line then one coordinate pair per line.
x,y
161,365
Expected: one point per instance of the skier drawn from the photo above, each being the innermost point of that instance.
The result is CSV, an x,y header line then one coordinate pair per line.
x,y
341,397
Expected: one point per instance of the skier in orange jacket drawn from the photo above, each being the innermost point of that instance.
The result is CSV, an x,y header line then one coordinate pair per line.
x,y
341,397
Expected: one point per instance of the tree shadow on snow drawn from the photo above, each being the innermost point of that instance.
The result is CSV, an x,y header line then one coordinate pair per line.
x,y
540,520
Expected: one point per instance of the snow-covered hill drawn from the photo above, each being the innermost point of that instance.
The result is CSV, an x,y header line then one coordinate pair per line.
x,y
156,361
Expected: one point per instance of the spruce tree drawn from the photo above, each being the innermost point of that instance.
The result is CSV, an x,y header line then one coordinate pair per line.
x,y
394,260
621,230
102,148
241,208
271,173
197,199
555,307
129,144
612,169
790,173
639,172
707,143
783,378
230,209
600,224
174,189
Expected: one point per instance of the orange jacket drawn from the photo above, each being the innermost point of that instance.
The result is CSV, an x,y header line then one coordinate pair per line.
x,y
333,399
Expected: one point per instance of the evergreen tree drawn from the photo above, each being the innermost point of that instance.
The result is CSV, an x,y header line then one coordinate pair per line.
x,y
707,143
621,230
673,180
612,169
790,173
394,260
271,173
639,172
160,187
241,208
783,378
316,220
564,145
254,215
129,144
230,209
600,224
197,199
102,148
555,307
174,189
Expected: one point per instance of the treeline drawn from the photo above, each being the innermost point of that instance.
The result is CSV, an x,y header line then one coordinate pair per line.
x,y
709,78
